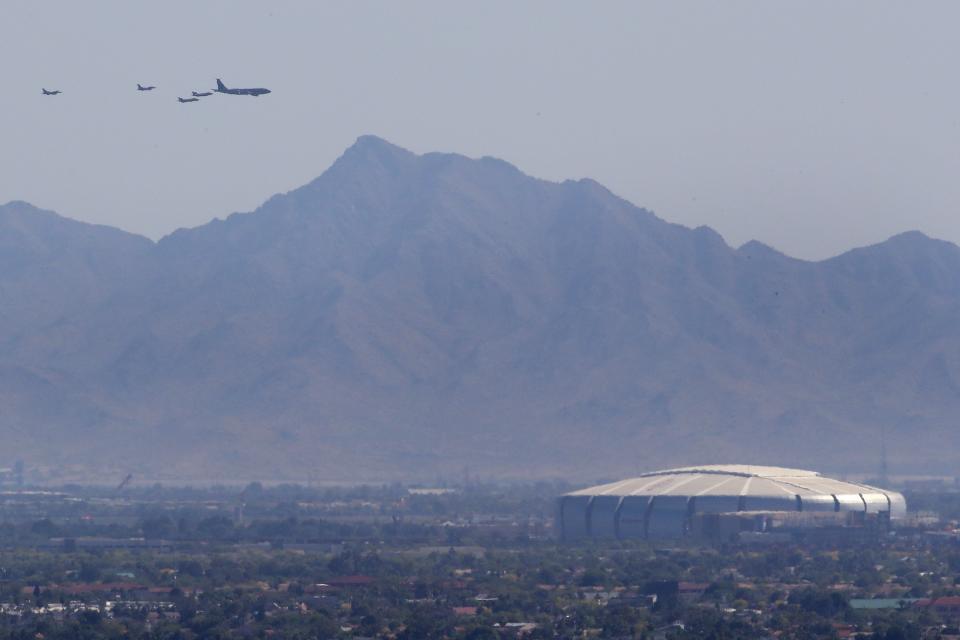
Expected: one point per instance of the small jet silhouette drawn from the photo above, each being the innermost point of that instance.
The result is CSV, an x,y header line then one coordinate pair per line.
x,y
259,91
189,99
142,88
51,93
201,94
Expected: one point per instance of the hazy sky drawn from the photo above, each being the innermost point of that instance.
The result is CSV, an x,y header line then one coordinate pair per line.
x,y
811,126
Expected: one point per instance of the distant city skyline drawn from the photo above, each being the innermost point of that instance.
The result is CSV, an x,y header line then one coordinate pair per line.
x,y
812,127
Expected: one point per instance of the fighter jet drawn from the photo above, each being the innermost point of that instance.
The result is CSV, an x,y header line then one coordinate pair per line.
x,y
240,92
142,88
189,99
201,94
55,92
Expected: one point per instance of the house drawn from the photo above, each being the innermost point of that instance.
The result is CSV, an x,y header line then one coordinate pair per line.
x,y
947,606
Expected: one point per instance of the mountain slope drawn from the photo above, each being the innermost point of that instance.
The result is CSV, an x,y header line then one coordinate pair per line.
x,y
407,315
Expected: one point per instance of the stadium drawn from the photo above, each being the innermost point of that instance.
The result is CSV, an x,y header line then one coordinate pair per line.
x,y
724,501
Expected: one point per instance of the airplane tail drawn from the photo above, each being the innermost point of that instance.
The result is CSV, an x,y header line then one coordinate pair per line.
x,y
139,87
220,85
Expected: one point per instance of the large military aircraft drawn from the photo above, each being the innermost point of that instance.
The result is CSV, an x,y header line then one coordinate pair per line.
x,y
55,92
142,88
221,88
201,94
189,99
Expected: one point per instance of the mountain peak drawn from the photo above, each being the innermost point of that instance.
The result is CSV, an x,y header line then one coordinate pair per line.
x,y
22,209
756,249
912,237
17,204
374,147
368,155
908,243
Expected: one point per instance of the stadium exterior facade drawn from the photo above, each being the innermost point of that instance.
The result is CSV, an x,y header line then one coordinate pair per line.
x,y
715,500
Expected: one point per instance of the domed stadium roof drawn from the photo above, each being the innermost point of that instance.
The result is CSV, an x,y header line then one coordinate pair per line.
x,y
661,503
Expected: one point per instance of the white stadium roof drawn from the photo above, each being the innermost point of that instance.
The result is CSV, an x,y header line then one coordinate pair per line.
x,y
729,480
663,501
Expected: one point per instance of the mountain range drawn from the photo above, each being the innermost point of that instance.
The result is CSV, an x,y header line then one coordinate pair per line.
x,y
410,316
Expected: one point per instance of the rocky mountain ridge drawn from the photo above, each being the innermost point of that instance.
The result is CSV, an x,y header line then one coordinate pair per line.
x,y
406,316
